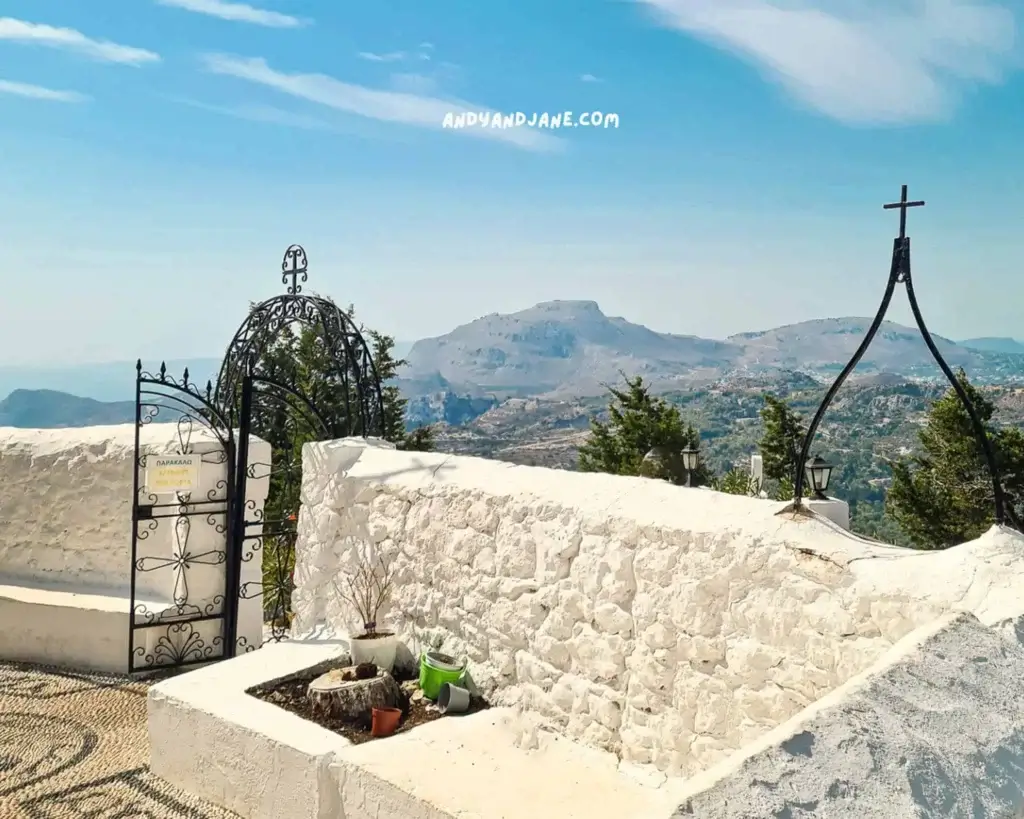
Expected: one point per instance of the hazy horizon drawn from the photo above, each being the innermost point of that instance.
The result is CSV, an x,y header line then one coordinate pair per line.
x,y
402,346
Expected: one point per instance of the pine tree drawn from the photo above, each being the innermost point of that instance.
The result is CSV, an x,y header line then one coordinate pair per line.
x,y
639,423
780,445
303,361
943,495
420,439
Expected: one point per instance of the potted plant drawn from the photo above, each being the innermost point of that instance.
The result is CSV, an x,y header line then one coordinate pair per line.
x,y
367,590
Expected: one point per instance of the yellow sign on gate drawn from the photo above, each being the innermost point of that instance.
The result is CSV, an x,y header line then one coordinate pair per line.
x,y
173,473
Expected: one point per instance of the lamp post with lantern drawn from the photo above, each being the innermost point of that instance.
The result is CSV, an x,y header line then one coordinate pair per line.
x,y
661,463
819,473
690,458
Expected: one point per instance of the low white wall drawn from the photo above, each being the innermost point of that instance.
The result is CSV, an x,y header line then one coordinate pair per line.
x,y
670,625
66,537
935,729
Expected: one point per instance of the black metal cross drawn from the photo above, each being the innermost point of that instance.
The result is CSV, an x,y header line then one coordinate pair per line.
x,y
294,266
903,204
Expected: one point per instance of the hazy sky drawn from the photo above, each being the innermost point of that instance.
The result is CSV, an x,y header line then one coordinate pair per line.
x,y
158,156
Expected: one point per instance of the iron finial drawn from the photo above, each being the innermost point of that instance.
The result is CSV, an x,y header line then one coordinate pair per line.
x,y
903,204
294,265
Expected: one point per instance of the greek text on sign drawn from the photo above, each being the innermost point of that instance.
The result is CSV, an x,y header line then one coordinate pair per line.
x,y
173,473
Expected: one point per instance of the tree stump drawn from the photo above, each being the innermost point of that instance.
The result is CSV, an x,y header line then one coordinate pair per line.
x,y
348,694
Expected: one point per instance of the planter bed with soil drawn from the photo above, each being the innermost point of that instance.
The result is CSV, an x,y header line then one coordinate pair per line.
x,y
292,694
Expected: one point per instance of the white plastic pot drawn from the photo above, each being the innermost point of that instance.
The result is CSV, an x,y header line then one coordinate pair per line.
x,y
452,699
379,650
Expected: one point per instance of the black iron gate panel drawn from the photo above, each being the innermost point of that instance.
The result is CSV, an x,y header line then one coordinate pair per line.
x,y
182,603
281,415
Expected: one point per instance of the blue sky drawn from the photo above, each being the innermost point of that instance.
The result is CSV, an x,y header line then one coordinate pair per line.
x,y
160,155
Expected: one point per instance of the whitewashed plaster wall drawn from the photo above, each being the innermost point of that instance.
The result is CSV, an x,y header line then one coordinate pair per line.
x,y
66,516
670,625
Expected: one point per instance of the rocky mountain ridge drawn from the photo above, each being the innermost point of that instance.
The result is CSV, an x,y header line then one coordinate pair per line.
x,y
564,349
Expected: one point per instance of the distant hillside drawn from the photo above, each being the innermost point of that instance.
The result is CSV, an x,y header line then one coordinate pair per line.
x,y
565,346
107,381
994,345
565,349
824,344
44,409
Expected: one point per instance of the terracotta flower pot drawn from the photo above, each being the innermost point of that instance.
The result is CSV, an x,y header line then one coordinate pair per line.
x,y
385,721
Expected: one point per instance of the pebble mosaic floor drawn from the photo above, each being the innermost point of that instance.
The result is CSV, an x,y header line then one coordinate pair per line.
x,y
75,745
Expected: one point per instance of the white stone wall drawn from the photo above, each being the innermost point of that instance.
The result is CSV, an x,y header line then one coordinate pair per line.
x,y
66,500
66,523
670,625
65,506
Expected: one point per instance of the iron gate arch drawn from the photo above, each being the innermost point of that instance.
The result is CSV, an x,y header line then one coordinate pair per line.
x,y
255,394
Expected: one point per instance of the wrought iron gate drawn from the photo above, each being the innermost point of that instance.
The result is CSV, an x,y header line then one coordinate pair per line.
x,y
179,523
258,393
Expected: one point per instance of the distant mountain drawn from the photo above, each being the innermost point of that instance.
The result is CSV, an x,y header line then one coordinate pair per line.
x,y
45,409
571,348
824,344
108,381
401,348
561,351
994,345
560,346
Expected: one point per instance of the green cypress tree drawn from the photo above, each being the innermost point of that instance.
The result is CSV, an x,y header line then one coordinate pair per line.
x,y
780,444
943,496
639,423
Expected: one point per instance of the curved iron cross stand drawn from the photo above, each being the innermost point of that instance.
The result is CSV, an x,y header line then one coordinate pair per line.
x,y
899,273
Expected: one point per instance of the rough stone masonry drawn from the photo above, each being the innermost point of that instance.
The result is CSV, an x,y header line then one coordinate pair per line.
x,y
670,626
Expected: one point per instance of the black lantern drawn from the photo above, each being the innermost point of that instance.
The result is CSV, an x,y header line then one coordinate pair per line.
x,y
819,473
690,458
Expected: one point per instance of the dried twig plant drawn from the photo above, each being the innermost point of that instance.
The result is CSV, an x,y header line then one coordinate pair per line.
x,y
367,590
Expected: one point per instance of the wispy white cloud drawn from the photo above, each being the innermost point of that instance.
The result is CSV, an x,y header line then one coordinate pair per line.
x,y
589,78
266,114
72,40
38,92
237,12
390,57
860,61
387,106
424,51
